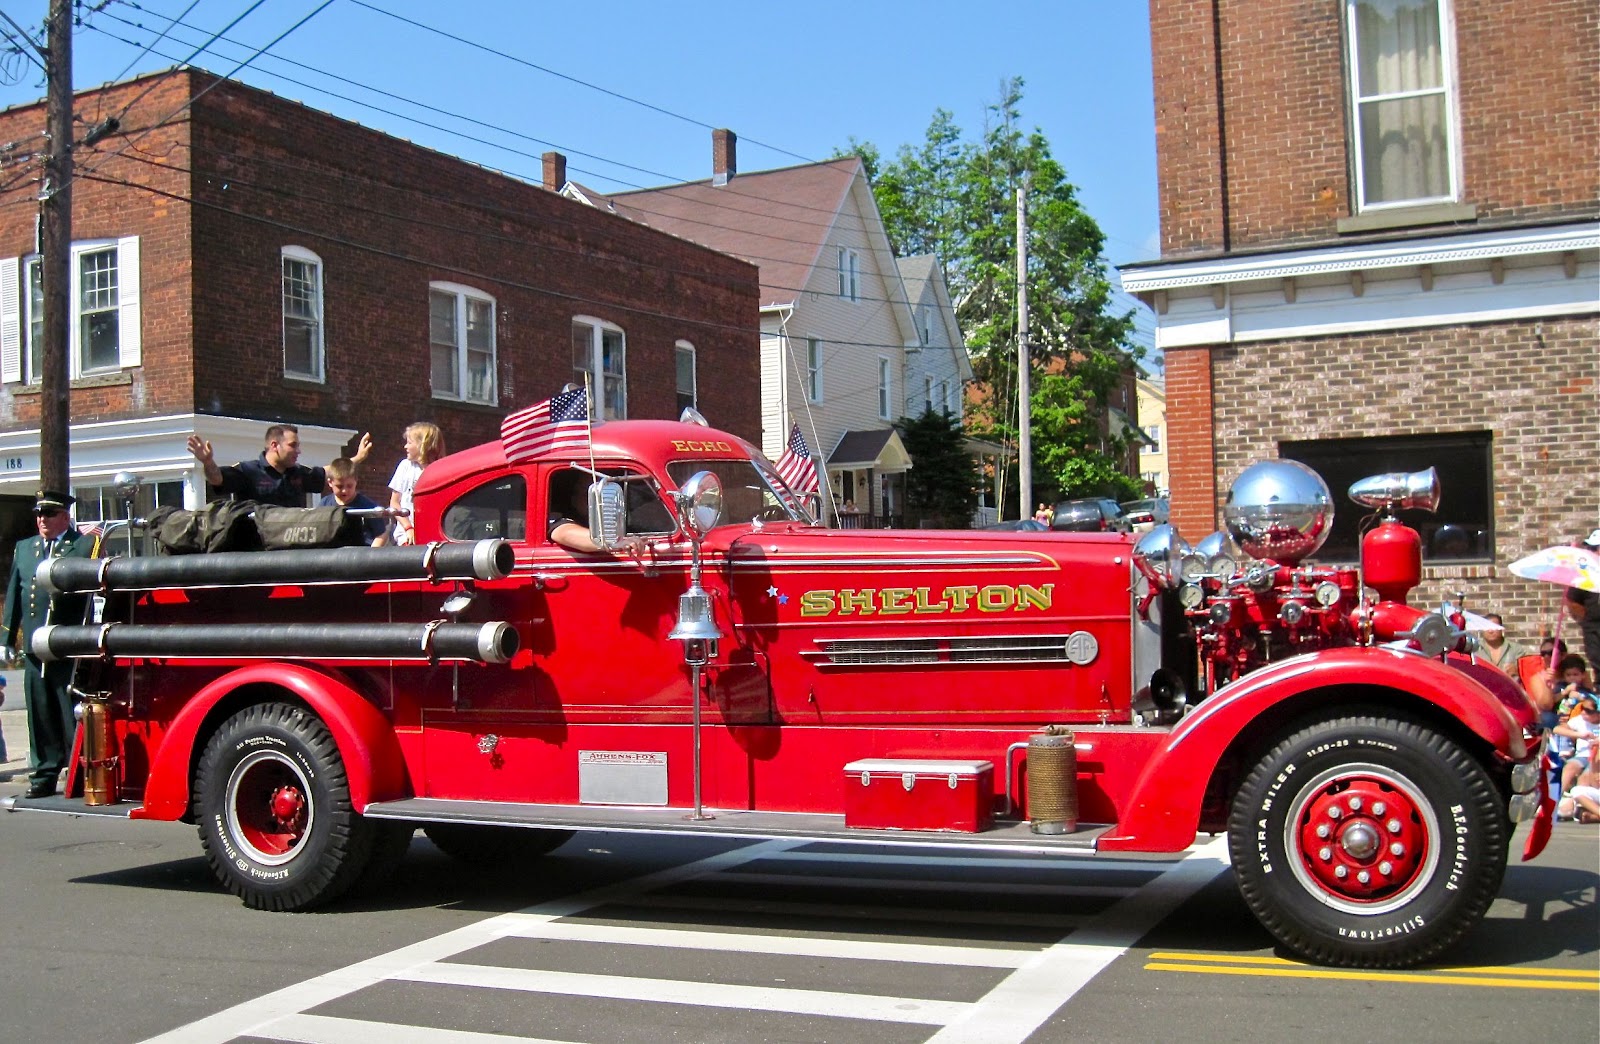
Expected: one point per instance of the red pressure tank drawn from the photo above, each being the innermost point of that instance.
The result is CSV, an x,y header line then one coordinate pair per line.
x,y
1391,559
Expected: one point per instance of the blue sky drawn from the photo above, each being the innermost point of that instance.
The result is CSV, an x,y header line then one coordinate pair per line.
x,y
802,79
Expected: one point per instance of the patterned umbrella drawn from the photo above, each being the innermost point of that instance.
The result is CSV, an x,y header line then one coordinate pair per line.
x,y
1568,566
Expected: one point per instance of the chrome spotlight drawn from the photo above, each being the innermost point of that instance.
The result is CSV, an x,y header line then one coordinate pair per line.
x,y
1279,510
1158,554
1398,490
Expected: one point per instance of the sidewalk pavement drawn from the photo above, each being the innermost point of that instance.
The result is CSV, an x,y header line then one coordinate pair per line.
x,y
14,723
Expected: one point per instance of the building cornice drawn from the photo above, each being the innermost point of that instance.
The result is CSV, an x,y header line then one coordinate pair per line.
x,y
1408,253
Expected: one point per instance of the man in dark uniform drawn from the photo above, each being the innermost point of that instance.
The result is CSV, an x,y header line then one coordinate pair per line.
x,y
275,477
29,607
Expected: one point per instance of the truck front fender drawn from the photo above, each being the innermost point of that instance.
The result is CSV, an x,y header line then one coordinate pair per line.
x,y
1162,813
372,758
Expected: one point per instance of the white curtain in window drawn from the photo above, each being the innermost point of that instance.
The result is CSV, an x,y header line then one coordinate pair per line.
x,y
1402,104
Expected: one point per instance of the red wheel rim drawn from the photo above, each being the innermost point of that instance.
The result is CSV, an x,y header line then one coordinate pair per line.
x,y
269,810
1362,839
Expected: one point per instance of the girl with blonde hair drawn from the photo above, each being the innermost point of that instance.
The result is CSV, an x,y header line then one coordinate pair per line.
x,y
424,445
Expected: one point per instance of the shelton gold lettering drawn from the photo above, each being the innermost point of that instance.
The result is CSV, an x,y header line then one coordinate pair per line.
x,y
996,598
898,601
960,597
1030,597
816,603
851,602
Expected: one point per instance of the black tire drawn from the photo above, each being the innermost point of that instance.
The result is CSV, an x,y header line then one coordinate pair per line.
x,y
494,845
276,821
1399,803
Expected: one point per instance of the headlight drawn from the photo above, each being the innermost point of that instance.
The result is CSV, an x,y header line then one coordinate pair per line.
x,y
1157,553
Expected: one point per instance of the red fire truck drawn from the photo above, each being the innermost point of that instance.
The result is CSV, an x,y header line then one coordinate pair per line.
x,y
727,666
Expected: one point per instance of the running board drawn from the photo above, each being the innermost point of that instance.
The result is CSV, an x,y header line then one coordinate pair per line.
x,y
65,806
803,826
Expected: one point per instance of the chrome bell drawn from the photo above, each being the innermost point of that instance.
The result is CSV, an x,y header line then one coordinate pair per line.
x,y
694,618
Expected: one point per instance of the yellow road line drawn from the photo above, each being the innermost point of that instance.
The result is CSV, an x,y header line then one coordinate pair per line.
x,y
1557,973
1306,972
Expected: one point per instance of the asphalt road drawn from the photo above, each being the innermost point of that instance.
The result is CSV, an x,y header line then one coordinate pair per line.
x,y
114,931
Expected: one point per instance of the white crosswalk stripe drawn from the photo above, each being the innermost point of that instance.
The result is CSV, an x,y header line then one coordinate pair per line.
x,y
1035,979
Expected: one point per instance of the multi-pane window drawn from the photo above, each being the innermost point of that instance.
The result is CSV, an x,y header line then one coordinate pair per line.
x,y
33,358
98,310
461,343
849,274
103,311
925,324
927,394
302,314
684,362
1463,527
943,397
1400,85
104,503
813,369
600,356
883,388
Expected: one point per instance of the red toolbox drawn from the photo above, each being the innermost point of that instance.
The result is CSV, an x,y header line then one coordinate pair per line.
x,y
919,794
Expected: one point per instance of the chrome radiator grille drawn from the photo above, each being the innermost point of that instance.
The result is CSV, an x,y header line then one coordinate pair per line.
x,y
881,652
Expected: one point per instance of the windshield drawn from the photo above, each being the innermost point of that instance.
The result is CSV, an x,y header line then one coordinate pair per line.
x,y
750,489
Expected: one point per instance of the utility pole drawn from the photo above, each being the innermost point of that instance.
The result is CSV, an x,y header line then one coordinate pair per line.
x,y
55,218
1024,362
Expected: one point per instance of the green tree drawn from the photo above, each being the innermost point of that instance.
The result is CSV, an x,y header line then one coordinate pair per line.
x,y
957,199
943,487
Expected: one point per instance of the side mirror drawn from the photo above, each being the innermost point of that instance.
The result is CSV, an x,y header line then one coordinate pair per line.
x,y
608,511
700,504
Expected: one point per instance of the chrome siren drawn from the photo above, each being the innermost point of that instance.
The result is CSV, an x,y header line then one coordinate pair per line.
x,y
1398,490
1280,510
1158,553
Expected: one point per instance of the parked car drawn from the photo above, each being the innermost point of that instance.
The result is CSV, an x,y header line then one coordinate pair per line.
x,y
1093,515
1146,514
1024,525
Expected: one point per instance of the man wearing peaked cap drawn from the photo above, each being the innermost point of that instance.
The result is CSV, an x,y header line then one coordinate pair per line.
x,y
29,607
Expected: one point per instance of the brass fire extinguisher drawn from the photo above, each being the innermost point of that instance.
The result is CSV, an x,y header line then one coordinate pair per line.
x,y
99,753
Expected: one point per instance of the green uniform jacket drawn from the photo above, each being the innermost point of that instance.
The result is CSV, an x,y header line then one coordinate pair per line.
x,y
28,606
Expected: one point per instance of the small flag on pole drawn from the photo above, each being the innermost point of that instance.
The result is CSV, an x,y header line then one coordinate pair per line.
x,y
558,424
796,466
92,528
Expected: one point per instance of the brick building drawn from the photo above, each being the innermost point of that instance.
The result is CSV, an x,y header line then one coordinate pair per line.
x,y
240,259
1380,252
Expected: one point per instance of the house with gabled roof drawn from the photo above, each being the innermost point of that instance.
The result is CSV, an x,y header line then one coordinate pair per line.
x,y
851,338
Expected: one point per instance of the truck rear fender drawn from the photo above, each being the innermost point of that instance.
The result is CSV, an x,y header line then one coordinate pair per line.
x,y
1218,741
371,754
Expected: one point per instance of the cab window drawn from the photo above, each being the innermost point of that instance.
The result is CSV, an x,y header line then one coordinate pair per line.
x,y
498,508
569,501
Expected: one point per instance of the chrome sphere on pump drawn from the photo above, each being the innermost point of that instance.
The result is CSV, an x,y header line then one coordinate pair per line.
x,y
1279,510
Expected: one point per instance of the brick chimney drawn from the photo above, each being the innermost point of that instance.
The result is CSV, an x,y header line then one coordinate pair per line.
x,y
724,161
555,171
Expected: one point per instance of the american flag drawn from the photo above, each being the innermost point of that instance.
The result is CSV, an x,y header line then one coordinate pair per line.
x,y
796,466
93,527
558,424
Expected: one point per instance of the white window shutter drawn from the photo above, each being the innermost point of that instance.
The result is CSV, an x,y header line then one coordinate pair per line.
x,y
130,343
10,319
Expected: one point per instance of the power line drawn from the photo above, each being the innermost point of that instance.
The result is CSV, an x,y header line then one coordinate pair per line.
x,y
572,79
675,190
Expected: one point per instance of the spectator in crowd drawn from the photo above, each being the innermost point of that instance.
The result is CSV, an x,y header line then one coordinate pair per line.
x,y
424,445
1584,606
29,606
1496,650
1583,728
275,477
1571,736
343,493
1043,515
1583,803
